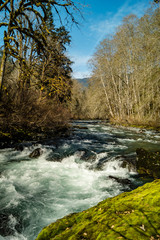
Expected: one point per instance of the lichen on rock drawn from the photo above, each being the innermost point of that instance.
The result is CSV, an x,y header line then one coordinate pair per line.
x,y
131,215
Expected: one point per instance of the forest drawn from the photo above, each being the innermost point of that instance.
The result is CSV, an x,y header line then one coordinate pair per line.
x,y
37,92
35,76
124,85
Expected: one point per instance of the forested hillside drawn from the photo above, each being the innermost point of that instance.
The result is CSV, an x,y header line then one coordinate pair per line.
x,y
125,81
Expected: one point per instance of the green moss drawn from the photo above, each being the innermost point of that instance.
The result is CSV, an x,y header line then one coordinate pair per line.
x,y
134,215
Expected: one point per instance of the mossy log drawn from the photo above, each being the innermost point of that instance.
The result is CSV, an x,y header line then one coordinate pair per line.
x,y
133,215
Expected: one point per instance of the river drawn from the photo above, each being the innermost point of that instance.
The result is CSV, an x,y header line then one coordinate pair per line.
x,y
71,175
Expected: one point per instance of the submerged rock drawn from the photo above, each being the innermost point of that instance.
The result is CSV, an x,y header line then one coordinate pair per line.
x,y
148,163
131,215
123,181
88,155
36,153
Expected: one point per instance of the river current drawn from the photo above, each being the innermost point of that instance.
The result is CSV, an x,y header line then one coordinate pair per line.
x,y
71,175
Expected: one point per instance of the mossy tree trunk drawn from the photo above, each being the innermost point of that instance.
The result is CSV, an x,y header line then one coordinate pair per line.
x,y
2,71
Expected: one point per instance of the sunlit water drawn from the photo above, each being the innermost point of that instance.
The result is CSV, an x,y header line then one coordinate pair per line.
x,y
36,192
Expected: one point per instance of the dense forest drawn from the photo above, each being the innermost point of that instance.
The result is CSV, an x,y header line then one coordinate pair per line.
x,y
125,81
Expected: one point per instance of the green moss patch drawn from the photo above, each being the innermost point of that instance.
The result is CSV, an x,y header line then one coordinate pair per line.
x,y
134,215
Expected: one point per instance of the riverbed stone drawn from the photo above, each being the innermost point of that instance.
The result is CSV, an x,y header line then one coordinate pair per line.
x,y
148,162
36,153
123,181
131,215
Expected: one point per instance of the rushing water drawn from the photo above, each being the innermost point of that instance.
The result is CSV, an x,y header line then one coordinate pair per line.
x,y
71,175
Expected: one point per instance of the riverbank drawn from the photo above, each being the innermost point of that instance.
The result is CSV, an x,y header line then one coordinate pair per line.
x,y
13,135
133,215
148,125
137,124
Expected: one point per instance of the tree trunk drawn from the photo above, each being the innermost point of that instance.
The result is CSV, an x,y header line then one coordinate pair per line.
x,y
107,98
2,71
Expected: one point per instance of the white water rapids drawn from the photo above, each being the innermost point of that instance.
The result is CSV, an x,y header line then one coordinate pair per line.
x,y
70,176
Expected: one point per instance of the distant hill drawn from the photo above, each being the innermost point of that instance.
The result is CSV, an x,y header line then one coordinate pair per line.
x,y
83,81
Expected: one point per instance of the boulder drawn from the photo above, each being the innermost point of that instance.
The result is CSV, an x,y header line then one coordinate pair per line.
x,y
130,215
123,181
36,153
148,163
130,164
86,155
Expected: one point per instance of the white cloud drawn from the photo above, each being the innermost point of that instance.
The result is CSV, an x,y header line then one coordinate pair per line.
x,y
80,69
81,74
112,21
79,59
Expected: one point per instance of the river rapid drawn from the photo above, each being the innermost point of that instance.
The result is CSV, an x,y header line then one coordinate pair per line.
x,y
71,175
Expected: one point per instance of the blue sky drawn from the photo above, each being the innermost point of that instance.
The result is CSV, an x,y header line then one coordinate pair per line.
x,y
101,18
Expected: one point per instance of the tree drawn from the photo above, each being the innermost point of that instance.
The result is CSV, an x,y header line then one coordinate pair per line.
x,y
54,67
125,80
12,12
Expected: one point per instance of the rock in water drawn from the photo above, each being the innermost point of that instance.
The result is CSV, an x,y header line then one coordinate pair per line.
x,y
129,164
36,153
123,181
148,163
132,215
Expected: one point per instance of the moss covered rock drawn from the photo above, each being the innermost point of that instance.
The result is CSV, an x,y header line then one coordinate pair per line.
x,y
134,215
148,162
